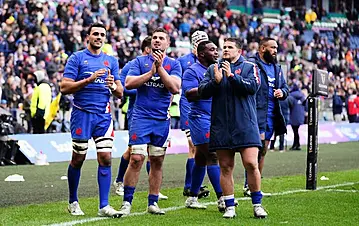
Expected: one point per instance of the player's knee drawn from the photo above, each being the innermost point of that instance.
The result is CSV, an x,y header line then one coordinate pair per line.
x,y
104,159
156,151
78,161
104,144
156,162
212,159
200,158
250,166
226,167
80,147
136,161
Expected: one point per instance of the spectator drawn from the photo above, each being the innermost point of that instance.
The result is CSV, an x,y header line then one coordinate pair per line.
x,y
40,101
297,114
337,106
352,107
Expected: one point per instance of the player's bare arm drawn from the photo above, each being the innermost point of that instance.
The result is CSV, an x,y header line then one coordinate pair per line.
x,y
192,94
70,86
133,82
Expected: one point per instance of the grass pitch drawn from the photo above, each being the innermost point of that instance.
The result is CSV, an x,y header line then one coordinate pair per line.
x,y
42,198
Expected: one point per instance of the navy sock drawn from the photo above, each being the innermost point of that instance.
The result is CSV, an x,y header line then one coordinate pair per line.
x,y
189,168
73,178
122,169
256,197
148,167
229,200
104,184
128,193
152,199
213,173
198,174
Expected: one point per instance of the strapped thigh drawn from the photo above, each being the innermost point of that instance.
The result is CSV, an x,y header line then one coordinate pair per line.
x,y
80,146
104,144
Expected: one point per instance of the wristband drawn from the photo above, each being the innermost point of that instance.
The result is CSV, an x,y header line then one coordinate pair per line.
x,y
113,87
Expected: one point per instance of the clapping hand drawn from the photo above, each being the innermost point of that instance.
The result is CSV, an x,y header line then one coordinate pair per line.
x,y
218,74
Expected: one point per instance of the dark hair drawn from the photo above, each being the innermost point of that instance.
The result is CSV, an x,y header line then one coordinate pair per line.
x,y
202,46
146,43
265,40
95,25
161,29
237,41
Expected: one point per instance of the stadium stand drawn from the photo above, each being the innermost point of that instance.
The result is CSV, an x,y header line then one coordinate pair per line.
x,y
41,35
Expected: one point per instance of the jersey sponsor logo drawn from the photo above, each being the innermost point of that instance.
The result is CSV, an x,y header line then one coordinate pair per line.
x,y
146,65
154,78
271,82
189,63
238,71
86,62
154,84
106,63
100,80
271,79
167,67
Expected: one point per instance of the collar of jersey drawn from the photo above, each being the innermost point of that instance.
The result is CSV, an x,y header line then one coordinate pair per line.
x,y
151,57
93,55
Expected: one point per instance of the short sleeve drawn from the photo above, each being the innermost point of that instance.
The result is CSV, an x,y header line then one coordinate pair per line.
x,y
135,69
72,67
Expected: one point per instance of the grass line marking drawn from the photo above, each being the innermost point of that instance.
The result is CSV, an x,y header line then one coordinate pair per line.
x,y
340,190
174,208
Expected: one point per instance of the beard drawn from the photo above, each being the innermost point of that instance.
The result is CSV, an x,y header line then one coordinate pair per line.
x,y
269,58
94,47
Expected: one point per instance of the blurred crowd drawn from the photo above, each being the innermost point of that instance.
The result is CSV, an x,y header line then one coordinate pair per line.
x,y
41,35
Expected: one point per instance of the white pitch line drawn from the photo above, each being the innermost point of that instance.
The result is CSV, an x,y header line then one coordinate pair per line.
x,y
173,208
340,190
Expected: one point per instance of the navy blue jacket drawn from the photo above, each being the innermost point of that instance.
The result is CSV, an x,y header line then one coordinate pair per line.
x,y
284,105
337,104
262,98
297,105
233,118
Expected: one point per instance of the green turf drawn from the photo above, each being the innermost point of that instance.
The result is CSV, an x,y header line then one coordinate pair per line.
x,y
302,208
36,202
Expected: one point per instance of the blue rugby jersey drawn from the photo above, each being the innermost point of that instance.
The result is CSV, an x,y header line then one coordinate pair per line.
x,y
186,61
153,98
191,79
269,69
95,96
131,93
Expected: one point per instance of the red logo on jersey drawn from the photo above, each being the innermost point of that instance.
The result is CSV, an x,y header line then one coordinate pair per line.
x,y
207,135
187,123
106,63
78,131
113,133
167,67
134,136
238,71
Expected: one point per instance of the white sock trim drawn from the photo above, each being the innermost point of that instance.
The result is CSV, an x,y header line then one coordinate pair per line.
x,y
228,197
